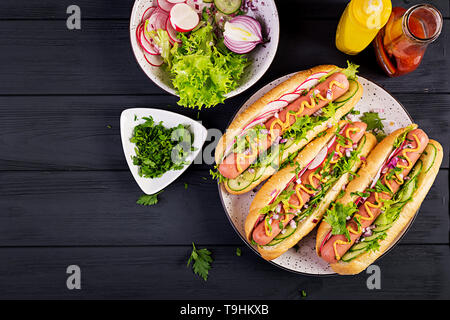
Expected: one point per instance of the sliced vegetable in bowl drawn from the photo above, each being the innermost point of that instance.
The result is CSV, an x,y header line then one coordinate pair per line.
x,y
159,28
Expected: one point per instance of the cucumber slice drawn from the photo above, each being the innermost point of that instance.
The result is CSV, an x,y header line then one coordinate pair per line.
x,y
382,228
350,255
288,233
372,237
228,6
359,246
242,182
352,89
434,150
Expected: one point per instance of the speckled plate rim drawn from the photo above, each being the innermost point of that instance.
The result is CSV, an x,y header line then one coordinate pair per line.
x,y
396,242
243,87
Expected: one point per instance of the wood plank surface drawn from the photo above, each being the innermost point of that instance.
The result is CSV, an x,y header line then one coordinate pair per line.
x,y
121,9
83,133
161,273
44,58
99,208
66,196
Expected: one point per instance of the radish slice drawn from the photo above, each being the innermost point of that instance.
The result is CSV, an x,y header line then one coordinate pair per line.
x,y
319,159
183,17
157,20
176,1
165,5
330,144
147,14
277,104
290,97
145,44
172,32
154,60
198,6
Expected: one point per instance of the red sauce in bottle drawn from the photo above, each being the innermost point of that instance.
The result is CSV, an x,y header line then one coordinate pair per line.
x,y
401,44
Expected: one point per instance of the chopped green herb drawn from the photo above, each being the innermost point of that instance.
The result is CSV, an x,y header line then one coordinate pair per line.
x,y
238,252
159,149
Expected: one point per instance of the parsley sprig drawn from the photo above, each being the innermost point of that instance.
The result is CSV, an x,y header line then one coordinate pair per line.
x,y
149,199
202,261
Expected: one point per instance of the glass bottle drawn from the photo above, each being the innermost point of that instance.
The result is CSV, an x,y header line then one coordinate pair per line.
x,y
401,44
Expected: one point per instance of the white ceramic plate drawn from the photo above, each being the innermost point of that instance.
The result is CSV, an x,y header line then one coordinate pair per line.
x,y
261,57
169,119
303,258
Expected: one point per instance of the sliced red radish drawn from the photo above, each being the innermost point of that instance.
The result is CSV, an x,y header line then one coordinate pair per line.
x,y
277,104
154,60
176,1
330,144
183,17
198,5
290,96
172,32
165,5
145,44
157,20
319,159
147,13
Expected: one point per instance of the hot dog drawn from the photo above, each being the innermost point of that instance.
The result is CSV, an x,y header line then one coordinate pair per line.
x,y
329,90
266,134
380,202
293,201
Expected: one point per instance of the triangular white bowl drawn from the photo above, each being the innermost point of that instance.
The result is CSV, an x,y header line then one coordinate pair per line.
x,y
169,119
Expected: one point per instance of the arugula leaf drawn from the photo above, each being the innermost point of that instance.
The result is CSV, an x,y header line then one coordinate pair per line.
x,y
399,140
373,121
148,199
374,124
202,261
337,218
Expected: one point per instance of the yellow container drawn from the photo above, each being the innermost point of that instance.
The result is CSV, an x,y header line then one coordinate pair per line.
x,y
360,23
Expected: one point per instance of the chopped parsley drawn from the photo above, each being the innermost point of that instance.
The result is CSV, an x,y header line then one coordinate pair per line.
x,y
159,149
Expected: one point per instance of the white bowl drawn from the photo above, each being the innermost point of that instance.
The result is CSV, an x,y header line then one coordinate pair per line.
x,y
169,119
261,57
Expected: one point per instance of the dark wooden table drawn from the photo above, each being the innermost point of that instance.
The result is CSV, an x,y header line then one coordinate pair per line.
x,y
67,197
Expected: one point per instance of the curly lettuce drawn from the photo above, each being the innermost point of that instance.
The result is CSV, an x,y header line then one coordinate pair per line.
x,y
203,71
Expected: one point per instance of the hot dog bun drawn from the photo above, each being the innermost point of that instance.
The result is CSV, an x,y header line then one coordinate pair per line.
x,y
255,109
365,177
283,177
431,160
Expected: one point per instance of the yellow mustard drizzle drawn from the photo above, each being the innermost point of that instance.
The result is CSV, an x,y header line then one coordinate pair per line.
x,y
348,145
266,228
287,123
243,156
368,205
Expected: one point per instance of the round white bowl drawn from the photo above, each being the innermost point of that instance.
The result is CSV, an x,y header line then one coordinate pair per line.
x,y
261,57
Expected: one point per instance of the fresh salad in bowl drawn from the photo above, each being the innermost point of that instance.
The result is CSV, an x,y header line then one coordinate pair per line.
x,y
201,44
